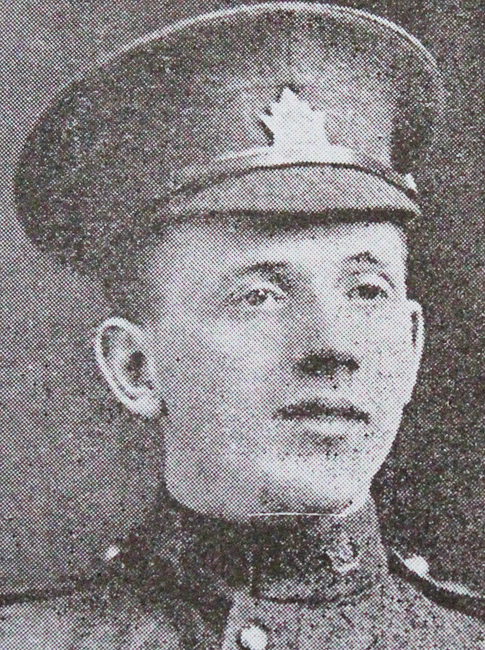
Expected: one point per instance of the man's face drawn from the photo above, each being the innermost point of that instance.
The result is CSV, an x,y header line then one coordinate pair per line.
x,y
284,362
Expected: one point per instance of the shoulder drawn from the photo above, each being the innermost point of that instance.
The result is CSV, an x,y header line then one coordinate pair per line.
x,y
95,619
435,624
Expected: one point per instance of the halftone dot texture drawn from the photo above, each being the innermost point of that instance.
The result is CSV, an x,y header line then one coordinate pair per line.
x,y
148,138
274,88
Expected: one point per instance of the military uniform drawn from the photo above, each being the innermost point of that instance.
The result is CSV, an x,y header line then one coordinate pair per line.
x,y
297,582
269,108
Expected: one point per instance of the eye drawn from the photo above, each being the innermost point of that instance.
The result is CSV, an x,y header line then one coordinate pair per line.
x,y
257,297
266,296
368,291
369,288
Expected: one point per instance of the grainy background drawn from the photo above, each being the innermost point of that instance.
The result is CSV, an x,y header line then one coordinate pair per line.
x,y
76,472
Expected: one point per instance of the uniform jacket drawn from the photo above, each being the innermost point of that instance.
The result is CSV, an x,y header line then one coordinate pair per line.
x,y
286,583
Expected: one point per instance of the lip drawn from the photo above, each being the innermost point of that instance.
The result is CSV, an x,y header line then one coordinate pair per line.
x,y
321,410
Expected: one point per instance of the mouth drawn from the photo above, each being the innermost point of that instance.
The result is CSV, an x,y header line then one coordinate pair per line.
x,y
319,410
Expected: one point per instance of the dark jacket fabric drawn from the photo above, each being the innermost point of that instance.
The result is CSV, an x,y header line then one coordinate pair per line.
x,y
302,582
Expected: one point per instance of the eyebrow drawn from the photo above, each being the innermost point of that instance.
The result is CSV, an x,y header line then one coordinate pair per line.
x,y
281,270
266,268
365,257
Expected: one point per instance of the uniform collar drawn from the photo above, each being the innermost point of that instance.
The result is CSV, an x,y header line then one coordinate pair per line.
x,y
287,558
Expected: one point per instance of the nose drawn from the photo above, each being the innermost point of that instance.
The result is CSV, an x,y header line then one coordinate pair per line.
x,y
326,363
325,337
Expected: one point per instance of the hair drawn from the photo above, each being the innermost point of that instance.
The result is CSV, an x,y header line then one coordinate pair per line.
x,y
125,280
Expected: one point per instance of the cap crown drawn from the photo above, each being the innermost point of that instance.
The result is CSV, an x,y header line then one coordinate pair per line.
x,y
172,113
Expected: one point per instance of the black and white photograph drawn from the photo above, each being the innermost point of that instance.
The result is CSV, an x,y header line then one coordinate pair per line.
x,y
242,332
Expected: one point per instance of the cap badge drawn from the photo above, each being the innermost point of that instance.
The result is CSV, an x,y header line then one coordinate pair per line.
x,y
299,138
298,130
299,135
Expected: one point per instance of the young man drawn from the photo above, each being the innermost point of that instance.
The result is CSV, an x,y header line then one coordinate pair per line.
x,y
241,184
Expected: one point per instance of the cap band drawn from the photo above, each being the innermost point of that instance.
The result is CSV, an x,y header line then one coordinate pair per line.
x,y
299,139
191,180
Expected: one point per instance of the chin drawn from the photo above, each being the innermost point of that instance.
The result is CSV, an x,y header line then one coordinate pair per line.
x,y
316,492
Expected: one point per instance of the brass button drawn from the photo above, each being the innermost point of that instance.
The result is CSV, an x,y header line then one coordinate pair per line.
x,y
111,553
253,637
417,565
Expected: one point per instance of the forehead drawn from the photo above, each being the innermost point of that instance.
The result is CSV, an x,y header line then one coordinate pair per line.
x,y
232,244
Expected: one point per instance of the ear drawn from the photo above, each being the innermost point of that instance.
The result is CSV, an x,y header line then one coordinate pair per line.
x,y
122,353
417,339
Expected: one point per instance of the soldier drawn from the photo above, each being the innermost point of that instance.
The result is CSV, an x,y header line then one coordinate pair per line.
x,y
241,185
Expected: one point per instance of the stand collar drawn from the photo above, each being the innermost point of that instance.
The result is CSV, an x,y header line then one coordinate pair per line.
x,y
288,558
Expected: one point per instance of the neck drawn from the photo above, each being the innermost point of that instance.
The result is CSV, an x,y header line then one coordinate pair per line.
x,y
354,506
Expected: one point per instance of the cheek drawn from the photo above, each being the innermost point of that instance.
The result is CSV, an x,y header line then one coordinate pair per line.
x,y
217,366
388,357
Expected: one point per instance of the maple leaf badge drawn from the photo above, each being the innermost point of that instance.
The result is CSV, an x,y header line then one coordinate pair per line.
x,y
299,131
300,137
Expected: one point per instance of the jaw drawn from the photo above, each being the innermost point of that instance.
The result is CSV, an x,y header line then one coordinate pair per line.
x,y
238,488
239,472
